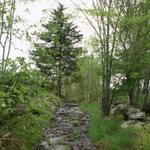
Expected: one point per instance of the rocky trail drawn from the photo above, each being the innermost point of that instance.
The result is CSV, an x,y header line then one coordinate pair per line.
x,y
69,130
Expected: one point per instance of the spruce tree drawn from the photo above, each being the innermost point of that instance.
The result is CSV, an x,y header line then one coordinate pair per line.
x,y
56,54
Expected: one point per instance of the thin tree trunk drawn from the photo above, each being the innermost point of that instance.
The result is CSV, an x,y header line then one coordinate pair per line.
x,y
59,85
137,93
146,92
131,97
106,100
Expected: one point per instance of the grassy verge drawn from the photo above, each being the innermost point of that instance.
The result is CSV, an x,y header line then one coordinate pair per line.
x,y
106,132
144,140
27,128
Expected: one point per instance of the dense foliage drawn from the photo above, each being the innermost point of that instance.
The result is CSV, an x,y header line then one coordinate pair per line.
x,y
24,97
135,48
122,34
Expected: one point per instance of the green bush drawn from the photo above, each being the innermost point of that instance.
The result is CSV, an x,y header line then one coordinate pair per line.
x,y
26,105
28,127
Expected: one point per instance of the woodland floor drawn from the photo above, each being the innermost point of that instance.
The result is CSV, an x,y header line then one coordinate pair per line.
x,y
69,130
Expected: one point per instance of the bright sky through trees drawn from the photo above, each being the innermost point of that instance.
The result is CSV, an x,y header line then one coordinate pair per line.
x,y
32,13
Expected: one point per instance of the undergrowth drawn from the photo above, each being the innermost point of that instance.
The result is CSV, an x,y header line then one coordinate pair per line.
x,y
27,129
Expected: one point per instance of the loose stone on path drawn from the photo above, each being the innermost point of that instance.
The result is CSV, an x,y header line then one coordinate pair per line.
x,y
69,132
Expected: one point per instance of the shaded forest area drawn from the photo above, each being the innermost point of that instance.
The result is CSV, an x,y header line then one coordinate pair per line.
x,y
108,77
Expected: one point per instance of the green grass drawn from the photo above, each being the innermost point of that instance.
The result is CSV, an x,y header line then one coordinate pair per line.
x,y
106,132
144,141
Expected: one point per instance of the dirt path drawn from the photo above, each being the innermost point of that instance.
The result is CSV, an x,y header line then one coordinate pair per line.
x,y
69,131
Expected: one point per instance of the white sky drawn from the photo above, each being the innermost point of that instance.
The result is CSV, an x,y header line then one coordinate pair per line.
x,y
34,15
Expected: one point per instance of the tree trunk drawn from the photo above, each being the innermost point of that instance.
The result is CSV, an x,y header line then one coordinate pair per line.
x,y
59,84
132,98
106,100
146,92
138,92
105,106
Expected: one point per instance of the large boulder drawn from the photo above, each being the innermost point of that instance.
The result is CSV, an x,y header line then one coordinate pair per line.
x,y
131,110
127,111
134,114
137,116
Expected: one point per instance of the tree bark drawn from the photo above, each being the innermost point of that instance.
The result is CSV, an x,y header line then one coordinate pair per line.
x,y
105,106
131,97
146,92
59,85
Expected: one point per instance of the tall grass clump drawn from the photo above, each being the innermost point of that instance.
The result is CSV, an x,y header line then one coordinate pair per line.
x,y
106,133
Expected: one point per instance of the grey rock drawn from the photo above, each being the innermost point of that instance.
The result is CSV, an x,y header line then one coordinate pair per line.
x,y
56,140
137,116
132,110
44,146
76,110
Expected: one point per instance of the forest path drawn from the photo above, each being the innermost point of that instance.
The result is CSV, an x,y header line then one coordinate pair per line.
x,y
69,131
